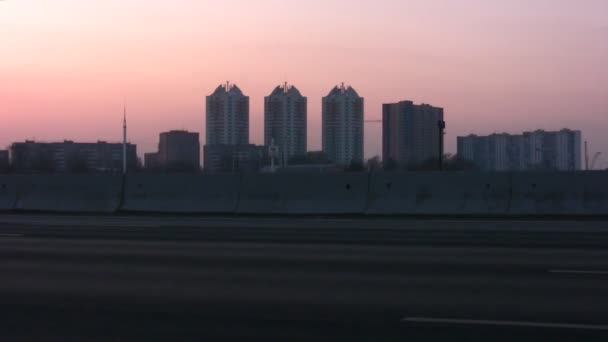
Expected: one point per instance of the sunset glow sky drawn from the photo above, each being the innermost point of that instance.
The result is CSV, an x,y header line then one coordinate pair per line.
x,y
494,65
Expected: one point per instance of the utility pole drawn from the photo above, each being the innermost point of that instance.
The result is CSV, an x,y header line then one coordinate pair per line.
x,y
441,126
594,160
586,156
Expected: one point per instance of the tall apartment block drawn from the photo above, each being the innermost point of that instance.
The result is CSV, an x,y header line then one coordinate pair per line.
x,y
343,125
285,122
227,119
537,150
410,133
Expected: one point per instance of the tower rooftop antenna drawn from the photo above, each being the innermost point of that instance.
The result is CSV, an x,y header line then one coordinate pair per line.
x,y
124,138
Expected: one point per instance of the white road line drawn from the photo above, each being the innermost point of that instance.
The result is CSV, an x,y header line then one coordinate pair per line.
x,y
11,235
579,272
504,323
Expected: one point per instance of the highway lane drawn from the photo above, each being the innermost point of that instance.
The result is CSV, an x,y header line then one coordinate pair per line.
x,y
193,278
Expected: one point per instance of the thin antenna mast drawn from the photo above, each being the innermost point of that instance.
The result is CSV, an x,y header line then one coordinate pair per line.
x,y
124,140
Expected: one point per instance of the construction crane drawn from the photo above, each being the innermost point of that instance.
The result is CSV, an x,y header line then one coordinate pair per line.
x,y
596,156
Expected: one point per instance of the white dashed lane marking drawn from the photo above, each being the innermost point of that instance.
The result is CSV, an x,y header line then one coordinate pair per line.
x,y
428,320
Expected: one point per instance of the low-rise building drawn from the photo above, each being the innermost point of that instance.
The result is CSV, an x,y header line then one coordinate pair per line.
x,y
69,156
177,151
537,150
4,161
234,158
151,161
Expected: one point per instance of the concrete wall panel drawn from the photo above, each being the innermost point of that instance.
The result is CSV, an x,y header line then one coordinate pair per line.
x,y
181,193
69,193
304,194
447,193
560,193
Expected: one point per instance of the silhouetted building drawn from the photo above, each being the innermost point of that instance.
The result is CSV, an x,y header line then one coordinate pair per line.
x,y
538,150
69,156
343,126
151,161
410,133
177,151
495,152
234,158
311,162
4,161
285,122
310,158
227,119
300,169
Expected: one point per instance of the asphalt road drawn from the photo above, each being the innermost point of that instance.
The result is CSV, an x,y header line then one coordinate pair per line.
x,y
113,278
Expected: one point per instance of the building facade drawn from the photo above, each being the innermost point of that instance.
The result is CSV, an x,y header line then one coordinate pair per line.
x,y
69,156
151,161
234,158
410,133
177,150
227,117
4,161
285,113
537,150
342,116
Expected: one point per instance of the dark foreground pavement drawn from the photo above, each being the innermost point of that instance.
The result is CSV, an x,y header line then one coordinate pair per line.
x,y
89,278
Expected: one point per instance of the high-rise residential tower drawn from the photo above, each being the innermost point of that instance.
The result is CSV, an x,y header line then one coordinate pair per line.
x,y
410,133
343,126
227,116
285,122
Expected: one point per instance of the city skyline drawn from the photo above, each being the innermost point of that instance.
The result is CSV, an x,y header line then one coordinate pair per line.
x,y
494,66
230,96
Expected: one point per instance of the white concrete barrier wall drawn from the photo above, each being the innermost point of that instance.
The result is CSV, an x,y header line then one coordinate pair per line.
x,y
595,195
303,194
8,192
69,193
564,193
449,193
181,193
445,193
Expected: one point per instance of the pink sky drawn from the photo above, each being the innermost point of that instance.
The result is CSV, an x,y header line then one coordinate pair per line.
x,y
508,65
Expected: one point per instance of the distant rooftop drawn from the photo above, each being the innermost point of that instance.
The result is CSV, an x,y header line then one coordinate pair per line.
x,y
537,131
343,90
66,142
411,103
286,89
228,88
178,131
